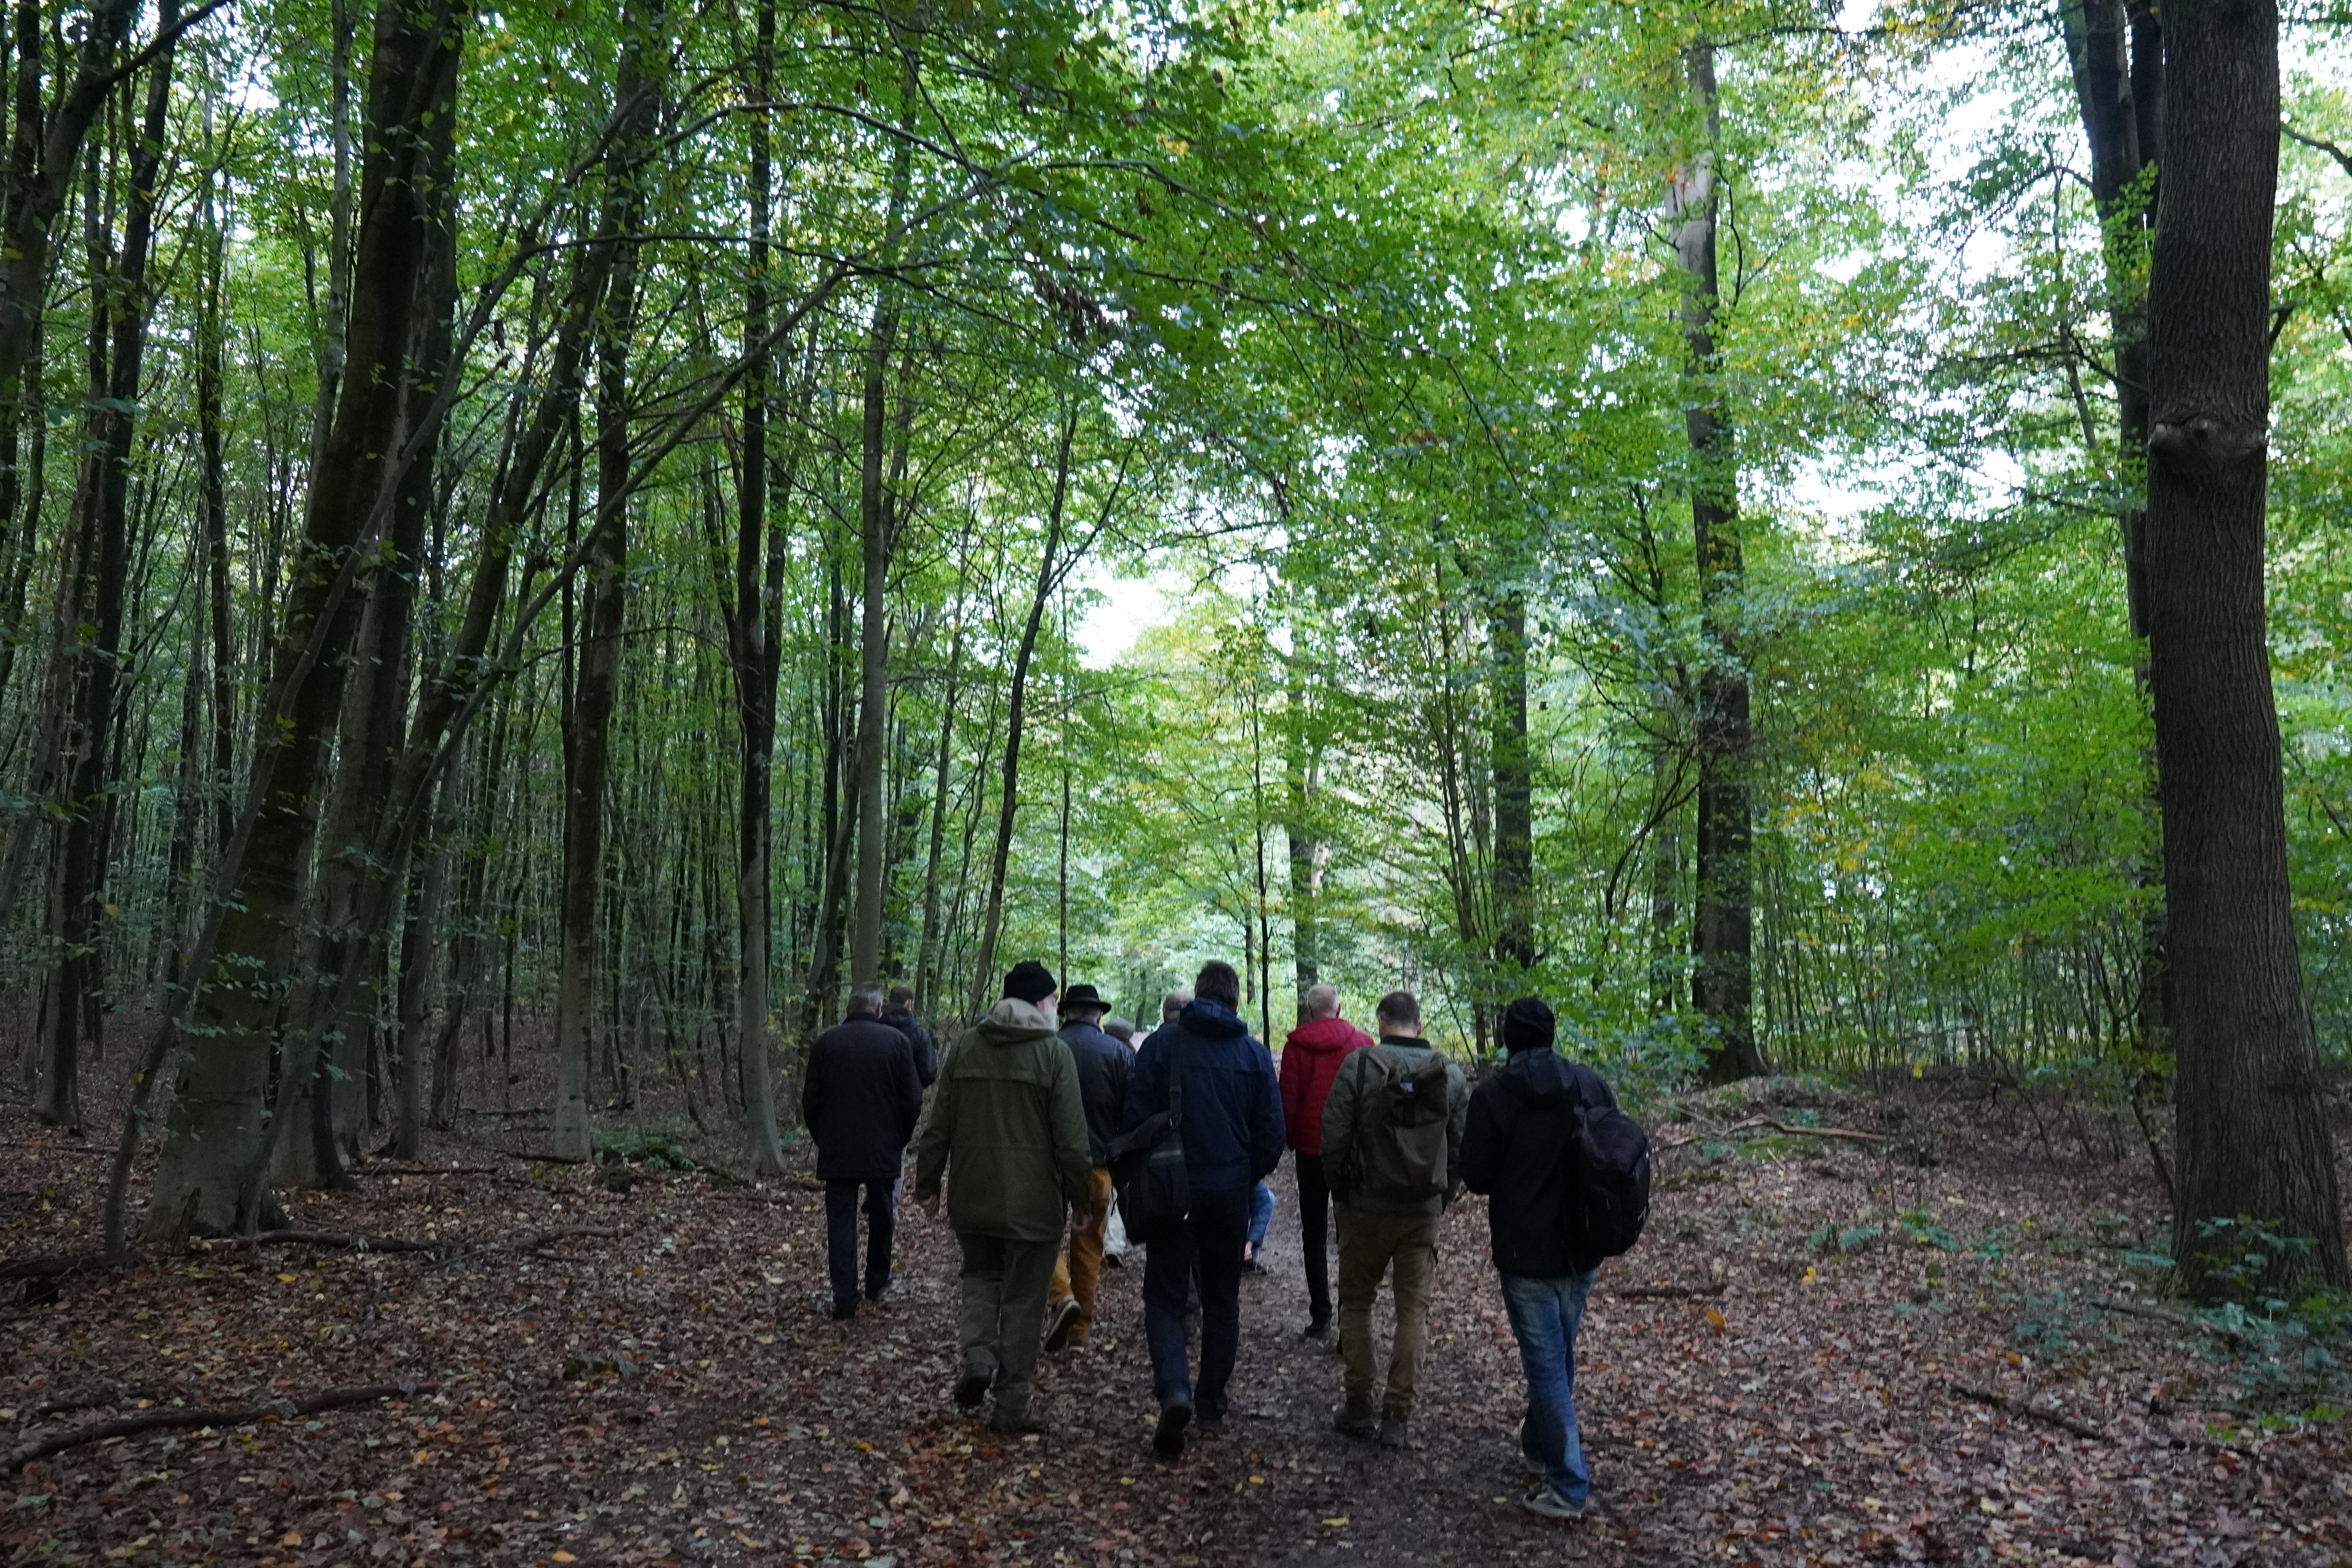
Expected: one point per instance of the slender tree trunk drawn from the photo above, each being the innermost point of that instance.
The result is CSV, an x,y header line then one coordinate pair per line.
x,y
1514,875
1009,803
2252,1131
758,629
2115,48
95,650
1299,769
219,1123
927,954
874,516
587,744
1722,926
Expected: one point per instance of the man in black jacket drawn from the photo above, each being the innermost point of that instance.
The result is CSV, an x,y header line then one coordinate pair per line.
x,y
1514,1151
1102,1063
860,1101
899,1013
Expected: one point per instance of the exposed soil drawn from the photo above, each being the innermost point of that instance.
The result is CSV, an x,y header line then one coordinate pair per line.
x,y
674,1393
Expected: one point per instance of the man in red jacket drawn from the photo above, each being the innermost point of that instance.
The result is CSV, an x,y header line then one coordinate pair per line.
x,y
1310,1060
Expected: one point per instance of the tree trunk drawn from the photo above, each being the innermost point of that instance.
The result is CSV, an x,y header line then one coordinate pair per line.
x,y
94,653
2252,1131
1515,874
219,1125
1722,924
587,741
1298,770
758,630
984,976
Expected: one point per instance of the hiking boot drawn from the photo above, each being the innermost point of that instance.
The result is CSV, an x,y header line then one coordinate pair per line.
x,y
1360,1420
1391,1430
1317,1328
1546,1502
971,1389
1016,1424
842,1311
1168,1437
1061,1322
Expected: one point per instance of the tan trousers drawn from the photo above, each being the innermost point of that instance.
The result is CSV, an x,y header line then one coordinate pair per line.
x,y
1369,1244
1079,1270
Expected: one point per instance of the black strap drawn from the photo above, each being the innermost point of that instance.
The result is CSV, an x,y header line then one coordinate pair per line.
x,y
1175,1083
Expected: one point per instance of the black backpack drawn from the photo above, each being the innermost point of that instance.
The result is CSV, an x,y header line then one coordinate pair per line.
x,y
1148,1168
1608,1166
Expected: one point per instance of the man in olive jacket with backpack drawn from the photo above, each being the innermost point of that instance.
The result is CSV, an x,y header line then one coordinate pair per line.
x,y
1391,1146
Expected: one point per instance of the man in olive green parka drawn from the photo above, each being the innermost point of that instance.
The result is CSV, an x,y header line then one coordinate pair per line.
x,y
1007,1125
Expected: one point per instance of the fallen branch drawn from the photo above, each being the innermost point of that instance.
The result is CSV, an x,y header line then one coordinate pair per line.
x,y
58,1267
1666,1292
1787,1128
387,1168
2013,1405
335,1239
2158,1315
23,1454
533,1243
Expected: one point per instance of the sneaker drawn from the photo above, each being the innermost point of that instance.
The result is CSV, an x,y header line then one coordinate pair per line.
x,y
1358,1420
1391,1430
1210,1427
1168,1437
1113,1261
1317,1329
1061,1319
1545,1501
971,1389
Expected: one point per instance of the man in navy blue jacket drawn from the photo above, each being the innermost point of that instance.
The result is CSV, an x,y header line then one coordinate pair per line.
x,y
1232,1136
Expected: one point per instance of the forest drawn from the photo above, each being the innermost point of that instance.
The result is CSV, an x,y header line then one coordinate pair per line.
x,y
542,547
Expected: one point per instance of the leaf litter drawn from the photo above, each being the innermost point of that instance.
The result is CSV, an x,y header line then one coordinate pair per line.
x,y
1829,1351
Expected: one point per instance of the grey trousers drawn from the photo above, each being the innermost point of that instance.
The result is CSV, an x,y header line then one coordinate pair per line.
x,y
1003,1319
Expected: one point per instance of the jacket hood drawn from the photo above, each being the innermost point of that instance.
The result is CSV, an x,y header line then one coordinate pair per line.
x,y
1539,1077
1014,1022
1323,1036
1211,1020
895,1017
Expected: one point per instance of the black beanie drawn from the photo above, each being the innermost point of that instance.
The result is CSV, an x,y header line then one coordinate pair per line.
x,y
1029,982
1528,1025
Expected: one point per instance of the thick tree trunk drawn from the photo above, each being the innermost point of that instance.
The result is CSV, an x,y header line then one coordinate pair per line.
x,y
219,1125
587,740
1722,923
2251,1117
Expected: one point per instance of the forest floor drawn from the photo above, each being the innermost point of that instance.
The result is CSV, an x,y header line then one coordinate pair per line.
x,y
1928,1379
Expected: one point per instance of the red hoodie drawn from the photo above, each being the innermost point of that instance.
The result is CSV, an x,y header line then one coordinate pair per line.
x,y
1310,1060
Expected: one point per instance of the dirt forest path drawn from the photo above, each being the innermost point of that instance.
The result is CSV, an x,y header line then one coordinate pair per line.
x,y
660,1384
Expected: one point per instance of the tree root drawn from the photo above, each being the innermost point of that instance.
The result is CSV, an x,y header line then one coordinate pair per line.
x,y
1666,1292
23,1454
2013,1405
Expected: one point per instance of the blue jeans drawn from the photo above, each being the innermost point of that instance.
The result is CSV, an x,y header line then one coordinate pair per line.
x,y
1261,1212
1545,1314
841,1238
1212,1241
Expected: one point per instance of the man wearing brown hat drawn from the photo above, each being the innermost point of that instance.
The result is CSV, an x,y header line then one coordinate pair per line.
x,y
1009,1128
1102,1063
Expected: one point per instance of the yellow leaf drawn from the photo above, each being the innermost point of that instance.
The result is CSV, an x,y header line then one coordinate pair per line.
x,y
1337,1523
562,1557
286,1279
1715,1320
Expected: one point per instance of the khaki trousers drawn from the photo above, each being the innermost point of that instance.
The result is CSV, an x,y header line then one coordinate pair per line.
x,y
1369,1243
1077,1272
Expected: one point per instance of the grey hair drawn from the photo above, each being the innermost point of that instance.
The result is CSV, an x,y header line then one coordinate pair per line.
x,y
1175,1001
1321,1002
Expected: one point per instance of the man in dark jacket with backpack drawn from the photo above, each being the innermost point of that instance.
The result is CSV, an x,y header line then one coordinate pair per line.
x,y
1231,1136
1392,1132
899,1011
1523,1122
860,1101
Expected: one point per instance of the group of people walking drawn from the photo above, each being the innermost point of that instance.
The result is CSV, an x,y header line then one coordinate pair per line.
x,y
1035,1113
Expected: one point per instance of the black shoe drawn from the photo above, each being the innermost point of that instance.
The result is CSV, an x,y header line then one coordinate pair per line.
x,y
1210,1427
878,1292
1168,1438
1317,1329
845,1311
971,1389
1060,1323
